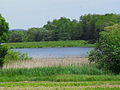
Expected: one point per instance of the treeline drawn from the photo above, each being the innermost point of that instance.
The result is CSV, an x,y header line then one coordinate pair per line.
x,y
86,28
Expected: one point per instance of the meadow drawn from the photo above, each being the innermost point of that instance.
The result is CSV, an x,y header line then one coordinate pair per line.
x,y
46,44
84,77
108,85
58,74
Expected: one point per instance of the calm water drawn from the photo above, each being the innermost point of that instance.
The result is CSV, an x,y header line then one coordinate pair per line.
x,y
55,52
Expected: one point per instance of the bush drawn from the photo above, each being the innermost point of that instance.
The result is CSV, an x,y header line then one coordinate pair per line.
x,y
107,52
3,52
3,37
15,56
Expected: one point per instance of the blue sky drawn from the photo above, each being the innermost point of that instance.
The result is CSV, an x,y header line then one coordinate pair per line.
x,y
35,13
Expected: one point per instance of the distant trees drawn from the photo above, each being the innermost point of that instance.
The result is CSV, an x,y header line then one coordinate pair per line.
x,y
93,24
61,28
3,35
17,36
107,52
87,28
39,34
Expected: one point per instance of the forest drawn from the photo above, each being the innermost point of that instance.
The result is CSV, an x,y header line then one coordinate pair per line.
x,y
86,28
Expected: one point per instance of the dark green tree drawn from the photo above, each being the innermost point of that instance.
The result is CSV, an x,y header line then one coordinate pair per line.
x,y
87,28
3,31
39,34
107,52
63,28
16,37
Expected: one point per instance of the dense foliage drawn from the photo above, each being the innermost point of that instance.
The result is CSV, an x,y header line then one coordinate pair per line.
x,y
3,35
87,28
13,56
107,51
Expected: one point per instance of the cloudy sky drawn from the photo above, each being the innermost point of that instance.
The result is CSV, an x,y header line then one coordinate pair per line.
x,y
35,13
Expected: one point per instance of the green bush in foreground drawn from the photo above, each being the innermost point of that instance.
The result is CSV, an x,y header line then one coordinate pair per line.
x,y
15,56
3,52
3,37
107,51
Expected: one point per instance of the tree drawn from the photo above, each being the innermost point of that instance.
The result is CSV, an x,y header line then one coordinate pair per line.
x,y
39,34
107,52
16,37
93,24
3,31
87,28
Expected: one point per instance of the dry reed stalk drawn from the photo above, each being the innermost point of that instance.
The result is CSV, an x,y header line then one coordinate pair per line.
x,y
47,62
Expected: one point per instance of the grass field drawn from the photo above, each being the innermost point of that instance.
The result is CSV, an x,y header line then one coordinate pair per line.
x,y
81,77
77,43
57,74
63,88
62,85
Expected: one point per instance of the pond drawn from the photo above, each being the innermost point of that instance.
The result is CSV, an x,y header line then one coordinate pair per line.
x,y
56,52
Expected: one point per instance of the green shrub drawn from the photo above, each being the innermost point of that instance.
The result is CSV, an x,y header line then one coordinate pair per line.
x,y
4,27
14,56
107,51
3,52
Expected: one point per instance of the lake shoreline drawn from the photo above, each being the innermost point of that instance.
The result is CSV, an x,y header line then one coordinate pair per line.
x,y
50,44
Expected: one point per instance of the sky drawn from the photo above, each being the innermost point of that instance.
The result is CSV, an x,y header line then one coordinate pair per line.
x,y
24,14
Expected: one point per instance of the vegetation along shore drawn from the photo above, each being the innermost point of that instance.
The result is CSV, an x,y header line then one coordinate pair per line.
x,y
47,44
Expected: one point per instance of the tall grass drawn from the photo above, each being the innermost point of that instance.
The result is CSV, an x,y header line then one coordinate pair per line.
x,y
69,73
77,43
47,71
15,56
47,62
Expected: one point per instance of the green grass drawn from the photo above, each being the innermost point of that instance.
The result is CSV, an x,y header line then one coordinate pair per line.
x,y
61,78
98,88
77,43
47,71
60,84
69,73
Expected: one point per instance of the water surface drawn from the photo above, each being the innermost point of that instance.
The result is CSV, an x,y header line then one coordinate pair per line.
x,y
55,52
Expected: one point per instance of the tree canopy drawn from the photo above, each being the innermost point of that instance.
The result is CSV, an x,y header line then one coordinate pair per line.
x,y
86,28
107,51
3,35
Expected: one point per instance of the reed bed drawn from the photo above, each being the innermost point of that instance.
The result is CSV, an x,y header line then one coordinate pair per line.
x,y
47,62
